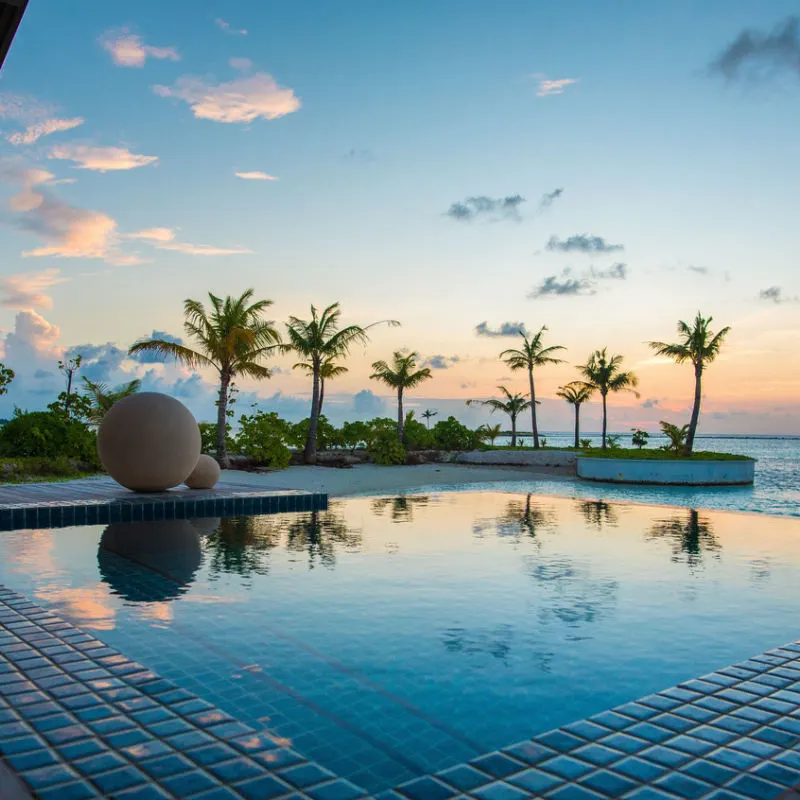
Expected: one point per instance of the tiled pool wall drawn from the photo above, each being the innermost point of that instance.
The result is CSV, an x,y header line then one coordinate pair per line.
x,y
79,719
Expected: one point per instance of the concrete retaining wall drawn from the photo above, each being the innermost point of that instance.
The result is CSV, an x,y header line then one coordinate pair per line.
x,y
682,473
519,458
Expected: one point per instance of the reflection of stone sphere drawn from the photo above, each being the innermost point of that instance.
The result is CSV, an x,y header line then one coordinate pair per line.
x,y
149,561
148,442
205,474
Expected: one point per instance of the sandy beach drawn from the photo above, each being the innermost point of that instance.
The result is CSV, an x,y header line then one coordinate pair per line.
x,y
369,478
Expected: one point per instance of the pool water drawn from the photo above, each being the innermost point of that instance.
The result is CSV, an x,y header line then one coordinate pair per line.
x,y
390,637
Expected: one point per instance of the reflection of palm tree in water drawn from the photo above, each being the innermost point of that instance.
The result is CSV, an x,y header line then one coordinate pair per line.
x,y
320,533
598,513
690,536
242,545
401,508
520,519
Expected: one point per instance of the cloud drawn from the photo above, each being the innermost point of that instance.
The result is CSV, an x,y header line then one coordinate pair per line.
x,y
548,198
100,159
582,243
550,86
359,154
154,358
616,272
255,175
226,26
164,239
243,99
564,285
367,404
487,207
240,64
776,295
27,291
128,50
440,362
504,329
698,269
38,119
758,54
650,402
32,339
99,362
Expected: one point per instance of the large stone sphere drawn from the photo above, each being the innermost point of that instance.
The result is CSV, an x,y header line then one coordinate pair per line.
x,y
148,442
205,475
149,561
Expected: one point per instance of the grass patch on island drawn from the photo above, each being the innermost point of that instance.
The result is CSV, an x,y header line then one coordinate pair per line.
x,y
43,470
658,455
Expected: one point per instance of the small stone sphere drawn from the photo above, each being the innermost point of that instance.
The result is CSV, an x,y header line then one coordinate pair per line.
x,y
148,442
205,475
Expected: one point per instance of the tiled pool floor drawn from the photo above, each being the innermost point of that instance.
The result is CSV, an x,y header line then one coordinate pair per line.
x,y
78,719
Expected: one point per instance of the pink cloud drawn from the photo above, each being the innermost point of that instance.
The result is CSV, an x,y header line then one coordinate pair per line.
x,y
128,49
164,239
255,175
226,26
38,119
27,291
551,86
100,159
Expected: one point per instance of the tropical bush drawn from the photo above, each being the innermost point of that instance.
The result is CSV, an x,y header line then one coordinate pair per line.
x,y
48,434
385,449
639,438
326,433
586,444
450,434
353,434
208,437
263,436
677,437
417,436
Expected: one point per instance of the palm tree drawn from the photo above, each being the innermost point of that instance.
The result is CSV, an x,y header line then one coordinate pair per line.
x,y
428,415
513,405
700,346
103,398
328,370
232,337
318,340
490,432
401,374
603,373
530,355
576,393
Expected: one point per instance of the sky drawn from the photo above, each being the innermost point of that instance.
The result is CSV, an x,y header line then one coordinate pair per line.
x,y
604,169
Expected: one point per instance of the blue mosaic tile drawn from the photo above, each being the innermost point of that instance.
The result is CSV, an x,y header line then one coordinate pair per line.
x,y
499,790
535,780
497,765
652,733
574,792
566,767
666,756
754,787
464,777
598,754
427,788
608,783
148,792
102,762
74,790
777,773
560,740
339,789
530,752
306,775
242,768
48,776
708,771
189,783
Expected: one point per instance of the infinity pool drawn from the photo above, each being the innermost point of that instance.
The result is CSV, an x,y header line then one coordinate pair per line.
x,y
390,637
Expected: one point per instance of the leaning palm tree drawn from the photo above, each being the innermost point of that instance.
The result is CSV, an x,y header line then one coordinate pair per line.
x,y
513,405
232,337
328,370
316,341
102,397
576,393
604,373
401,374
531,354
699,346
490,432
428,415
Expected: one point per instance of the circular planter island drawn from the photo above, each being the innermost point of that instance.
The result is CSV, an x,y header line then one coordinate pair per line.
x,y
668,471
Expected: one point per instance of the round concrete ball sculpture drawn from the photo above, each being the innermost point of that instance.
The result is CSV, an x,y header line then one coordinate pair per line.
x,y
148,442
205,475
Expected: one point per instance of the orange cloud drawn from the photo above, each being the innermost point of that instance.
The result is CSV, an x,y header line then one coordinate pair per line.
x,y
101,159
36,130
27,291
241,100
128,50
38,119
164,239
153,235
255,175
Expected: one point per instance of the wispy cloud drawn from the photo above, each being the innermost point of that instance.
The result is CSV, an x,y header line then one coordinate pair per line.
x,y
570,284
548,198
582,243
164,239
439,361
650,402
129,50
483,207
29,290
757,54
255,175
100,159
550,86
243,99
228,28
37,119
775,294
504,329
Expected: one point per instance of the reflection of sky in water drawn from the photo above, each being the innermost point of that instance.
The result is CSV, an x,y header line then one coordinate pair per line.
x,y
392,636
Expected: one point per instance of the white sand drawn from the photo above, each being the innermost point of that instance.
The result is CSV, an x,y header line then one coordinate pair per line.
x,y
369,478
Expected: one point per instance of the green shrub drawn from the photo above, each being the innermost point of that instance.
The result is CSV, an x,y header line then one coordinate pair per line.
x,y
263,436
48,434
639,438
416,436
677,437
450,434
326,433
586,444
352,434
384,448
208,437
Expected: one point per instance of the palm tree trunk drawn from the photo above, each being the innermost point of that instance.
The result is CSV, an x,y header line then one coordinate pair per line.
x,y
222,421
513,430
698,380
605,419
400,417
321,394
533,412
310,451
577,425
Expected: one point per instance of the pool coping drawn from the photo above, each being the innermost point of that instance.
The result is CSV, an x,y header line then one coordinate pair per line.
x,y
731,734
